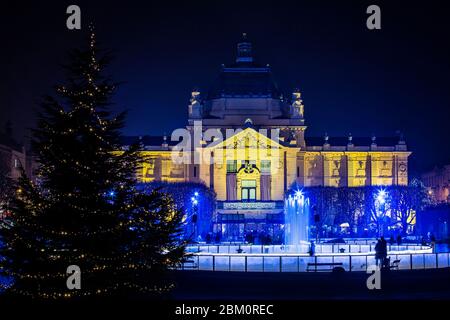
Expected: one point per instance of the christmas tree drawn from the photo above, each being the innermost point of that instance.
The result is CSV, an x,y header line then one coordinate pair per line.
x,y
84,209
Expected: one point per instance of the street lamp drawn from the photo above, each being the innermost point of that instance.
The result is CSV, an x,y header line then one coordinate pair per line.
x,y
194,219
316,221
381,196
298,194
381,201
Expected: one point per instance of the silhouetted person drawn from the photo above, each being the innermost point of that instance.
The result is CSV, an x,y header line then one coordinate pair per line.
x,y
386,263
391,240
423,241
399,239
433,241
254,237
432,238
378,255
312,249
383,244
208,237
383,250
248,237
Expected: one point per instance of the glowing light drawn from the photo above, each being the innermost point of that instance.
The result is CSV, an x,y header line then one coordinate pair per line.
x,y
195,202
196,194
299,193
381,196
112,193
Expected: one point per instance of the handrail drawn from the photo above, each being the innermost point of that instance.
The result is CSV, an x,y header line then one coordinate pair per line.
x,y
298,262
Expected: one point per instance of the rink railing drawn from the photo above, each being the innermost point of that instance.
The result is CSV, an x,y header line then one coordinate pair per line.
x,y
282,249
242,262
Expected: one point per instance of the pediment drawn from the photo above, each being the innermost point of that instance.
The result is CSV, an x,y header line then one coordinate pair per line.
x,y
246,139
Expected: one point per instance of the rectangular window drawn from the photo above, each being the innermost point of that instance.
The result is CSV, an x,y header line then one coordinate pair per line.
x,y
249,183
265,166
298,172
195,171
231,166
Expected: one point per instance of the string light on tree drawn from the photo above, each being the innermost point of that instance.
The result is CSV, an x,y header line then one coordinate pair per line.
x,y
86,209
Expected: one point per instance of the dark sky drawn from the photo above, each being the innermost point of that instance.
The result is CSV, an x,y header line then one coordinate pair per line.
x,y
352,79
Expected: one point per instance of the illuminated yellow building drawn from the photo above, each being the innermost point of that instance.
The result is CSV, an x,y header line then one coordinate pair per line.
x,y
251,168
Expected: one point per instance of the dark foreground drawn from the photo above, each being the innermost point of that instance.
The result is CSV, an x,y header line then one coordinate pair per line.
x,y
400,285
287,293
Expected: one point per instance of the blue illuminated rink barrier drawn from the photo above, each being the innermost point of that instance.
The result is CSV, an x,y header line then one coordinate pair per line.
x,y
351,258
364,247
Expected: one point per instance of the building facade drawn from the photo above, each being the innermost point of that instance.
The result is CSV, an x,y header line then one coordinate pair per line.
x,y
437,182
13,159
252,148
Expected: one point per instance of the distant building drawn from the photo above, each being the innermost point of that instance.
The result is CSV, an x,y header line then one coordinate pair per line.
x,y
437,182
13,157
434,220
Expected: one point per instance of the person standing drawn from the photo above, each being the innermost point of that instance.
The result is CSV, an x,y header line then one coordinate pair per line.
x,y
432,241
312,249
383,250
378,256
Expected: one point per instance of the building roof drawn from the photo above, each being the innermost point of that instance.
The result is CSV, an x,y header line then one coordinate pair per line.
x,y
158,141
357,141
244,78
154,141
242,81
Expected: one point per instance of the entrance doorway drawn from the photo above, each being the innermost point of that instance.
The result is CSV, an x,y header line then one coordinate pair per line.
x,y
248,190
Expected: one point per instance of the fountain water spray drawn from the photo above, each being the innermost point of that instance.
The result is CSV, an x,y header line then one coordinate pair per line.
x,y
296,223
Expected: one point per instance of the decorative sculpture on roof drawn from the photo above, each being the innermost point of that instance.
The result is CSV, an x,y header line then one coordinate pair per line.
x,y
195,105
195,97
298,108
326,138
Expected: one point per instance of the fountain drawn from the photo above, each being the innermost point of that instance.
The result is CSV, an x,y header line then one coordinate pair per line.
x,y
296,224
294,255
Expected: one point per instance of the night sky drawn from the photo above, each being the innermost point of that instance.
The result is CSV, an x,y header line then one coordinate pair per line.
x,y
352,79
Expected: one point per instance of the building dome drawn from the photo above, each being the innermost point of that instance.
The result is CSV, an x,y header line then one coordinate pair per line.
x,y
244,78
244,89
